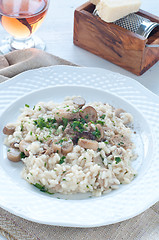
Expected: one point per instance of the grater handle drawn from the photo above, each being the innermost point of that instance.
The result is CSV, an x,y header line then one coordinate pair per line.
x,y
146,28
152,46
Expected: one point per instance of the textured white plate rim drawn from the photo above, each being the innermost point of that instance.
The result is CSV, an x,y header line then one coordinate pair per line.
x,y
101,70
71,224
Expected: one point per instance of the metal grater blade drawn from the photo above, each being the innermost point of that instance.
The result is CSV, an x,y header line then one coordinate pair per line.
x,y
131,22
135,23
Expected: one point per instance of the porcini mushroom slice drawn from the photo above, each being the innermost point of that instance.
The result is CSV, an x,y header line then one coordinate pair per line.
x,y
62,113
8,130
56,147
121,141
89,114
67,147
88,144
14,145
101,132
23,147
14,155
118,111
79,101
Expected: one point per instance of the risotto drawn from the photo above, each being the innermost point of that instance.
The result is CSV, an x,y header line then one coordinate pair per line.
x,y
73,147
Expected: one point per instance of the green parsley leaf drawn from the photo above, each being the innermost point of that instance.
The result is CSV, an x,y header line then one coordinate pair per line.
x,y
78,126
22,155
21,127
101,157
99,149
117,160
26,105
100,122
86,117
65,122
42,188
96,133
62,160
103,116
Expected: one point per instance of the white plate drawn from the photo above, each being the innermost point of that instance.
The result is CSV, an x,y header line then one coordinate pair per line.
x,y
55,83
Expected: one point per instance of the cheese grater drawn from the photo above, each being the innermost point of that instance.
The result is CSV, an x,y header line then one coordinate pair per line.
x,y
131,42
137,24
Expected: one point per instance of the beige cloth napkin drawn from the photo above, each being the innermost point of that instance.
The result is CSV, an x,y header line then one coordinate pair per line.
x,y
143,227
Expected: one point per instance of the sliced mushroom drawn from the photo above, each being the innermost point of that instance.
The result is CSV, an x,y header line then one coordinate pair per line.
x,y
23,147
56,147
88,144
14,145
118,111
14,155
62,113
49,151
120,141
89,114
87,135
8,130
99,161
70,133
67,146
79,101
101,132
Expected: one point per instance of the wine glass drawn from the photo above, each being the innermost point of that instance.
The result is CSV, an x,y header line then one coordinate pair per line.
x,y
21,18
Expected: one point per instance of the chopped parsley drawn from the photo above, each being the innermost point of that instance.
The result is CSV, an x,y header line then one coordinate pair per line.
x,y
8,150
117,160
86,117
62,140
45,164
96,133
21,127
22,155
100,122
31,133
99,149
41,123
26,105
65,122
78,126
62,160
103,116
34,108
102,158
42,188
106,142
83,121
39,108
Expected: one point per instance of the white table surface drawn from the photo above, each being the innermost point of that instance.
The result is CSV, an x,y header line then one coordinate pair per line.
x,y
57,32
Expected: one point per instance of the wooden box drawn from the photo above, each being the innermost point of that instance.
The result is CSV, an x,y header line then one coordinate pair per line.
x,y
114,43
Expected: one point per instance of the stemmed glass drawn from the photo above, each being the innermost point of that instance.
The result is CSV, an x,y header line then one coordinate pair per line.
x,y
21,18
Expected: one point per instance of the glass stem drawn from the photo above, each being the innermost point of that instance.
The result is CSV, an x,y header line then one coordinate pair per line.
x,y
17,44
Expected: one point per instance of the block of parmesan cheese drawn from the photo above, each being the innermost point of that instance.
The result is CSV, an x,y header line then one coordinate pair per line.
x,y
112,10
95,2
